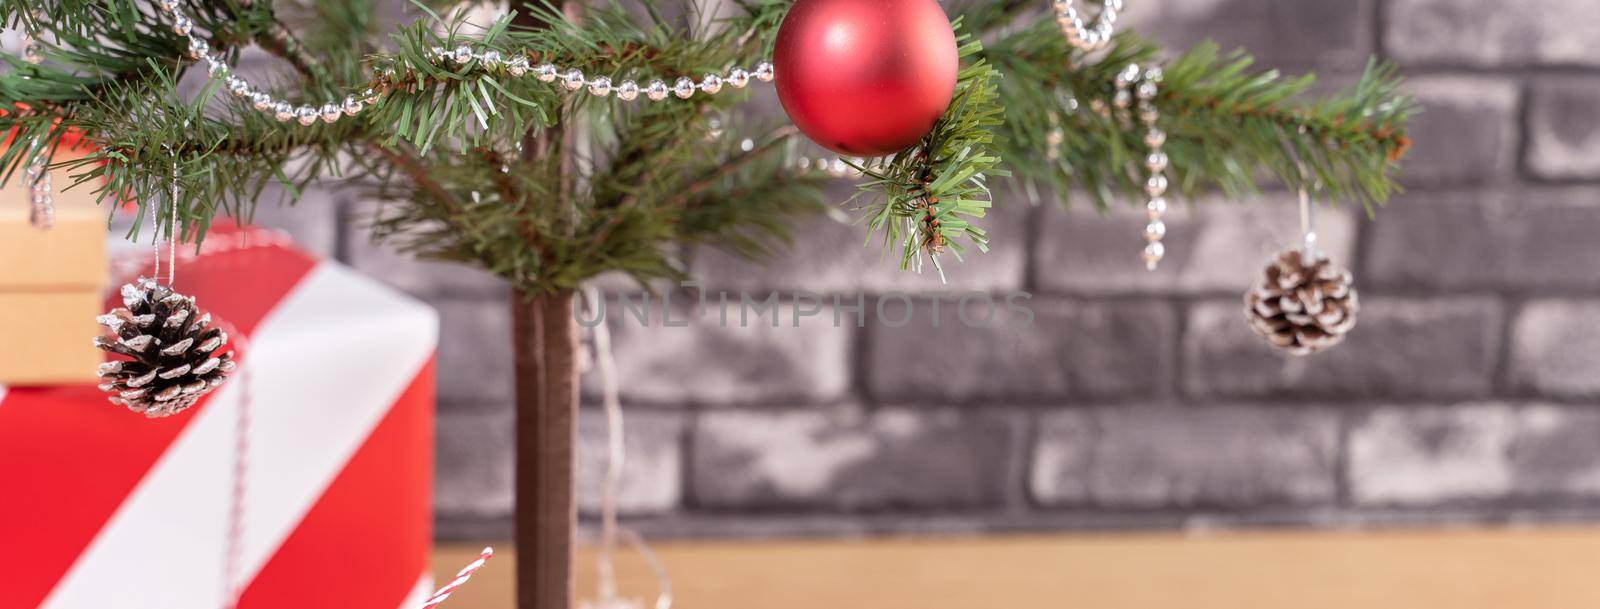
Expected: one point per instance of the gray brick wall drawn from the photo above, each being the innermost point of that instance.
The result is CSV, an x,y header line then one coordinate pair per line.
x,y
1137,400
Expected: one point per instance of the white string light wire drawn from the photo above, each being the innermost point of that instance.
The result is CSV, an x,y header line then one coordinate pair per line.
x,y
606,592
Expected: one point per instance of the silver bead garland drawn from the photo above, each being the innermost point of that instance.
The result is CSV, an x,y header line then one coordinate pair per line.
x,y
42,212
41,203
1085,37
1145,86
571,80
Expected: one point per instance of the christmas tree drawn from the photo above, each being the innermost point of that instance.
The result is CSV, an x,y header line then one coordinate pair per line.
x,y
557,142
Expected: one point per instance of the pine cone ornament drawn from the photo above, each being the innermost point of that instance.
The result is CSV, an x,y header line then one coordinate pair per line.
x,y
1302,306
176,355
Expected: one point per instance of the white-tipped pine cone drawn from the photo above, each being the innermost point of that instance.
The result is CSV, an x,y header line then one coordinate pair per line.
x,y
1302,308
176,356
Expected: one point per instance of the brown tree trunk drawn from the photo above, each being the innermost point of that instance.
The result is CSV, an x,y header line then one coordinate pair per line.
x,y
545,335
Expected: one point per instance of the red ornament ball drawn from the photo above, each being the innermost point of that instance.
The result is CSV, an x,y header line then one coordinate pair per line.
x,y
865,77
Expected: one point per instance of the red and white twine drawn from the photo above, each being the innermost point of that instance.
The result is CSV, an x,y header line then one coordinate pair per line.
x,y
234,544
241,466
236,503
462,576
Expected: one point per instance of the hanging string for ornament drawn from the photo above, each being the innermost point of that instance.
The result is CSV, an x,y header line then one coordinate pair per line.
x,y
1308,228
174,354
1138,89
1081,35
172,230
1304,302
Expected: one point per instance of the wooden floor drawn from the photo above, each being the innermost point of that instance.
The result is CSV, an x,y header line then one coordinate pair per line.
x,y
1524,569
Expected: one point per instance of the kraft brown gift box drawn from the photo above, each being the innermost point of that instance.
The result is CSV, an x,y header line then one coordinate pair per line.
x,y
51,286
53,347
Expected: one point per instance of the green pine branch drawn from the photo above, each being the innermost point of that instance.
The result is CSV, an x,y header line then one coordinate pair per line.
x,y
635,179
924,200
1228,125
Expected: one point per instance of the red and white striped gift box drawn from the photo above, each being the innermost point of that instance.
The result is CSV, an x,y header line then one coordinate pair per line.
x,y
101,508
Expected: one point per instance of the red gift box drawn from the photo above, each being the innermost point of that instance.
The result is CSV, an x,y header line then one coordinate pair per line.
x,y
102,508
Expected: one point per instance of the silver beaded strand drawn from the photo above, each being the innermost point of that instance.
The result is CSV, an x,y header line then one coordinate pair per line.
x,y
1145,86
570,80
42,205
1156,162
42,212
573,79
1085,37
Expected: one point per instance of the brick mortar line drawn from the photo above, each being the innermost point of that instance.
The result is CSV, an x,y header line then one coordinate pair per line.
x,y
1179,389
1321,515
1344,424
688,495
861,368
1024,435
686,526
1383,289
1552,507
1559,293
1457,188
1369,288
1330,401
1554,504
1508,70
1522,116
1501,382
1536,180
1033,239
